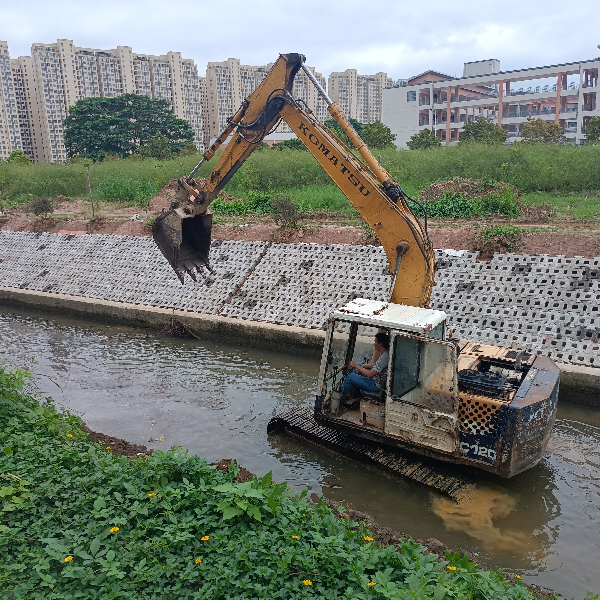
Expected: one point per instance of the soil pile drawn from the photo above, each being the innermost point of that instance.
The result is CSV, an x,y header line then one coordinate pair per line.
x,y
470,189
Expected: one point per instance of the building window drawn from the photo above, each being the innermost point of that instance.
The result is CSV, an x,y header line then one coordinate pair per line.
x,y
411,96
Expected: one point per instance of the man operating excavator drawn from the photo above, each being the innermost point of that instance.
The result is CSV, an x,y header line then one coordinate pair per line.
x,y
372,377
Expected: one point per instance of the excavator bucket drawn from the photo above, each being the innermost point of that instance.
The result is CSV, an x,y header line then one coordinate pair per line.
x,y
184,239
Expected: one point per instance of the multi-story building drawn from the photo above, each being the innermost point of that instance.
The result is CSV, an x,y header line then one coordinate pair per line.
x,y
359,96
228,83
564,94
10,131
57,75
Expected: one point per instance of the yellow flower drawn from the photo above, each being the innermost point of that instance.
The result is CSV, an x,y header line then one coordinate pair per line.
x,y
371,584
303,515
451,568
69,435
517,577
68,559
108,447
114,529
368,539
307,582
295,537
151,495
205,538
282,551
198,561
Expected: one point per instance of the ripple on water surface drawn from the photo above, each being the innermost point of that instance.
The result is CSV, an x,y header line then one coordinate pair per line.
x,y
216,399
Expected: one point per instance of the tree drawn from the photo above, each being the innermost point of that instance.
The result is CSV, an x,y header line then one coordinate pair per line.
x,y
538,130
379,136
261,146
121,126
424,140
41,206
483,131
159,147
188,150
18,157
336,128
592,131
293,144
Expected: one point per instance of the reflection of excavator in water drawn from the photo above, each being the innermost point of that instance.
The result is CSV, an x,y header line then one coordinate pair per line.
x,y
457,402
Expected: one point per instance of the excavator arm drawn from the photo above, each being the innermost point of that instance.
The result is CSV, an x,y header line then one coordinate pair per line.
x,y
183,232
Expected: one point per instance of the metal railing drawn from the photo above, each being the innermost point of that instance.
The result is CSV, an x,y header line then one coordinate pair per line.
x,y
544,111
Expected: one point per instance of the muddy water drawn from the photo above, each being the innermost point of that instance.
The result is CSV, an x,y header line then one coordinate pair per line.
x,y
215,400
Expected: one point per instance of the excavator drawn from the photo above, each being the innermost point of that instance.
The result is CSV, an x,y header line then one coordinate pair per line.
x,y
446,402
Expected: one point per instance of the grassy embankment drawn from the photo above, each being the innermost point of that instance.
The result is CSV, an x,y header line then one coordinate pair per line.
x,y
565,177
80,522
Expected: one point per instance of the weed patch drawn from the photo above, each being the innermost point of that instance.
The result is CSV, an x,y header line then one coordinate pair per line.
x,y
454,204
501,238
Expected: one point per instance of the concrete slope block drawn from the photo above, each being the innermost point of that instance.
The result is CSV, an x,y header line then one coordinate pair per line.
x,y
121,269
300,284
544,304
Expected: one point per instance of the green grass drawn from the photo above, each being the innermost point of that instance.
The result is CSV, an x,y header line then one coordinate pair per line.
x,y
79,522
564,173
17,181
324,198
572,205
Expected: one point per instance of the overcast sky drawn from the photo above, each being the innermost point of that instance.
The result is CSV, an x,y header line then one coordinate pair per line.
x,y
398,37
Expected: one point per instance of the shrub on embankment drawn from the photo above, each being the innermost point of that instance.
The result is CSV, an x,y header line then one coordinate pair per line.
x,y
80,522
529,167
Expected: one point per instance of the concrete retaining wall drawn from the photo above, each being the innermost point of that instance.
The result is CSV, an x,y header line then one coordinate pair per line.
x,y
545,304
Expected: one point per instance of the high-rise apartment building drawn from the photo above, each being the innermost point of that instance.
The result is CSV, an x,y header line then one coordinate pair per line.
x,y
359,96
228,83
10,131
44,86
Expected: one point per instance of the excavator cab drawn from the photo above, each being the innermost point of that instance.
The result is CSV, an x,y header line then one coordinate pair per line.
x,y
420,402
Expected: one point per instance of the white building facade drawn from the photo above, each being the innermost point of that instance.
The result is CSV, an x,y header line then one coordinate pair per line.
x,y
564,94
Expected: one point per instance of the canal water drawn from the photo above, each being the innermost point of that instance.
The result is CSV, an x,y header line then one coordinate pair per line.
x,y
215,400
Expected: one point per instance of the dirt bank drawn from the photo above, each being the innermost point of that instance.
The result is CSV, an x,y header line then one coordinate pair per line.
x,y
541,235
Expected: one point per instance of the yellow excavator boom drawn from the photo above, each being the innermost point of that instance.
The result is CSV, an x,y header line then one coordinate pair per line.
x,y
183,232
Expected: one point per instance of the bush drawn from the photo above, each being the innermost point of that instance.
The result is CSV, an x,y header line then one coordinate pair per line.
x,y
41,206
453,204
80,522
257,202
189,150
18,157
285,212
291,144
424,140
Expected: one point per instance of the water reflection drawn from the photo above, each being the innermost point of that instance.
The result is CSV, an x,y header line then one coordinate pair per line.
x,y
476,517
216,400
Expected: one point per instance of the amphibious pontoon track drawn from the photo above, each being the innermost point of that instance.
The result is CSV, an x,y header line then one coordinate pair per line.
x,y
300,423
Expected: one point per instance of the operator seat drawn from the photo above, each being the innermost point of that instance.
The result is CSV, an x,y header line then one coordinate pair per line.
x,y
377,396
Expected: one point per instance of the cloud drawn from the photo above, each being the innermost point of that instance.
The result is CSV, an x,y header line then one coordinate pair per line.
x,y
400,38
